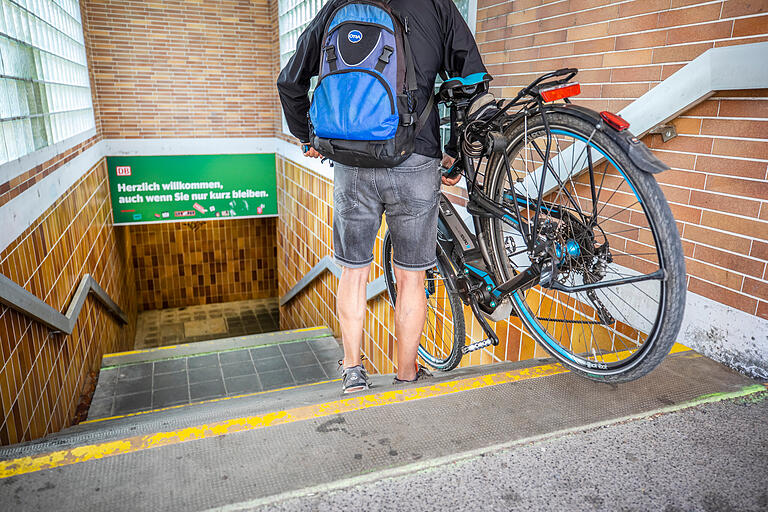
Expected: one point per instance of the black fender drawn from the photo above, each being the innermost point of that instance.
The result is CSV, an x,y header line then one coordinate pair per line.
x,y
638,152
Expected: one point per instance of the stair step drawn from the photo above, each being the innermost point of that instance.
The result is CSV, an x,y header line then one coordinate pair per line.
x,y
159,384
267,403
211,346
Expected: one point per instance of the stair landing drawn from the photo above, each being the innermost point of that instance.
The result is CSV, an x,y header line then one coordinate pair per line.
x,y
145,380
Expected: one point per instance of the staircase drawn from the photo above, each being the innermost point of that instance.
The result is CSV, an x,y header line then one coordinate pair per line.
x,y
143,381
242,439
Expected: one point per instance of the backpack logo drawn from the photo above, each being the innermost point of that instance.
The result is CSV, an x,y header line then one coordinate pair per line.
x,y
355,36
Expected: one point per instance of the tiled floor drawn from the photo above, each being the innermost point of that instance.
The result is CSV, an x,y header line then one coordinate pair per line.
x,y
210,321
153,385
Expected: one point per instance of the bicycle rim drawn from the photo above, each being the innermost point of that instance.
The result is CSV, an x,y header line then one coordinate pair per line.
x,y
610,330
443,336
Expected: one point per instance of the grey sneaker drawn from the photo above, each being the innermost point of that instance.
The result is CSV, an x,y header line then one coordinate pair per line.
x,y
354,378
421,374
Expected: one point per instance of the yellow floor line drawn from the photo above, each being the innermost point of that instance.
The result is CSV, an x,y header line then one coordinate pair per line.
x,y
96,451
305,329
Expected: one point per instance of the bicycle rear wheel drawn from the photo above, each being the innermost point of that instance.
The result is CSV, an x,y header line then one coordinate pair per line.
x,y
606,222
443,337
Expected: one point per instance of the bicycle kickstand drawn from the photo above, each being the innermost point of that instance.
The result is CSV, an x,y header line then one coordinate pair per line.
x,y
492,339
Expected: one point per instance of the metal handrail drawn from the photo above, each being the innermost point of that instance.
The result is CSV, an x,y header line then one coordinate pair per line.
x,y
725,68
373,290
19,299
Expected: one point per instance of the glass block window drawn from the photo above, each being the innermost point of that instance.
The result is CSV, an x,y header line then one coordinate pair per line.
x,y
463,6
45,95
468,9
293,18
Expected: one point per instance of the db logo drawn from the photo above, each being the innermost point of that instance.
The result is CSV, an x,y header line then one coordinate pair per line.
x,y
124,170
355,36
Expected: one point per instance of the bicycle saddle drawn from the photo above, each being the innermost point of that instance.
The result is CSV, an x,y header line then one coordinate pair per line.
x,y
464,87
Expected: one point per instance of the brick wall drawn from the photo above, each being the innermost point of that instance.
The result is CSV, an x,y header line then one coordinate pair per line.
x,y
185,264
158,70
183,68
717,189
42,374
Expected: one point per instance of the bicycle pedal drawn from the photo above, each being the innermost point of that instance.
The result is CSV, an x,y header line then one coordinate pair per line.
x,y
466,349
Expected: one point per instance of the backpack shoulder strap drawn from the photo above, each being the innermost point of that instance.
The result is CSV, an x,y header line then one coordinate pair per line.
x,y
425,113
410,69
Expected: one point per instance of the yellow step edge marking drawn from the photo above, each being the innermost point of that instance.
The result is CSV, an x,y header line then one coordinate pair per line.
x,y
145,350
142,351
85,453
610,357
211,401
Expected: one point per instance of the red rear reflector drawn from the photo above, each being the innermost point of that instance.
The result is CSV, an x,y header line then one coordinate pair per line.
x,y
559,92
618,123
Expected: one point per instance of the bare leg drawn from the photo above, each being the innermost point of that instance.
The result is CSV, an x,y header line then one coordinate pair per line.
x,y
410,315
350,306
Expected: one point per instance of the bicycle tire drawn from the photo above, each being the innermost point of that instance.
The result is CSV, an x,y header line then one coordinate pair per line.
x,y
434,356
661,336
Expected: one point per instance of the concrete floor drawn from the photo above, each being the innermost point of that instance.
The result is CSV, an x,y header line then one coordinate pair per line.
x,y
712,457
172,326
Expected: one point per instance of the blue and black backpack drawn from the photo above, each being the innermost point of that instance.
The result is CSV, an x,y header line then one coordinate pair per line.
x,y
363,110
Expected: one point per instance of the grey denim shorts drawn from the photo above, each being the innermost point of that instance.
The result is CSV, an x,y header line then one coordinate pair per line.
x,y
407,193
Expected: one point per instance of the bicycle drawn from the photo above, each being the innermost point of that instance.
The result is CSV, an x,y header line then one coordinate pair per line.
x,y
571,234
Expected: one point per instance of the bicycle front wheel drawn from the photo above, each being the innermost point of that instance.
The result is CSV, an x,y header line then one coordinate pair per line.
x,y
443,337
607,226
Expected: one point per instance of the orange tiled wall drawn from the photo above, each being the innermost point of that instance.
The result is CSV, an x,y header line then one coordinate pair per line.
x,y
717,188
304,234
41,373
184,264
183,68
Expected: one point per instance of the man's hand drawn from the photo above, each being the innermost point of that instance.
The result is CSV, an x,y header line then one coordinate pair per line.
x,y
447,162
312,153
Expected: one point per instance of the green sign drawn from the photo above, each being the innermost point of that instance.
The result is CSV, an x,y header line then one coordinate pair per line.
x,y
194,187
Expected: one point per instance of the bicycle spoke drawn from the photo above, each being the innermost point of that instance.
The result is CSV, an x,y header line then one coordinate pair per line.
x,y
613,319
557,178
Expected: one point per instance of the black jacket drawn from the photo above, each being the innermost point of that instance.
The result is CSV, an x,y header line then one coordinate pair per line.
x,y
441,42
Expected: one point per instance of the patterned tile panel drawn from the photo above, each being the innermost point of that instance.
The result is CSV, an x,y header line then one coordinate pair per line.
x,y
185,264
